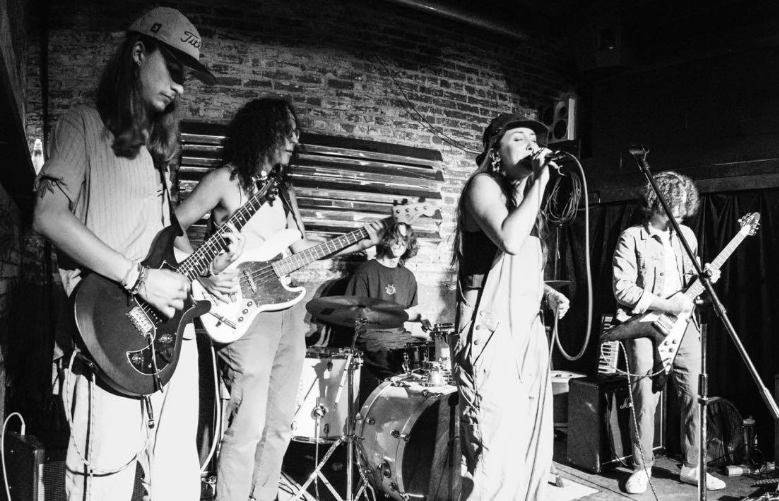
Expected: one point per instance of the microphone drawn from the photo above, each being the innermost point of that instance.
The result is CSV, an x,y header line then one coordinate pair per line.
x,y
559,157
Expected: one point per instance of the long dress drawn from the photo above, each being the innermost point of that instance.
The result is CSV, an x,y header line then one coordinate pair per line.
x,y
503,379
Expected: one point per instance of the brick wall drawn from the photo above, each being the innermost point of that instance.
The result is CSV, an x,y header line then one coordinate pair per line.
x,y
359,69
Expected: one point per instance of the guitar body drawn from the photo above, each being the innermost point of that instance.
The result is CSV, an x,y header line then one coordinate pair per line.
x,y
261,290
134,348
665,332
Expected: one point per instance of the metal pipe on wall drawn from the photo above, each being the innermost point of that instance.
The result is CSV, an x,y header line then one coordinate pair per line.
x,y
452,13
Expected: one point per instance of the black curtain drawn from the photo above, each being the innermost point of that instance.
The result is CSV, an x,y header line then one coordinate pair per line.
x,y
748,289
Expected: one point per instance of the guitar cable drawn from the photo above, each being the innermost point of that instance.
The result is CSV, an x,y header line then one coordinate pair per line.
x,y
2,448
85,459
217,437
633,418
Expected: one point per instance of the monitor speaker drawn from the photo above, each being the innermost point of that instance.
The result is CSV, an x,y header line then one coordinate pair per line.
x,y
560,117
599,423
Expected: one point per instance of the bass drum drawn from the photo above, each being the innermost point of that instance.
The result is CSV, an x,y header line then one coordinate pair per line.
x,y
408,436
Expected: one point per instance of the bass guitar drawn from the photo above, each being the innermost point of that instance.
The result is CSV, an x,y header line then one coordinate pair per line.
x,y
134,348
264,280
667,330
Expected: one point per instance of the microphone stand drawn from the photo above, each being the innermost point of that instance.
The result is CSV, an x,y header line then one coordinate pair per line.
x,y
640,155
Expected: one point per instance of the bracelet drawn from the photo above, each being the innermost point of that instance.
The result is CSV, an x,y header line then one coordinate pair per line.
x,y
132,275
141,280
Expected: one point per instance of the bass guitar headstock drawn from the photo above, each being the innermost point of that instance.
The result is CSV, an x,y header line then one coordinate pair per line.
x,y
408,213
749,223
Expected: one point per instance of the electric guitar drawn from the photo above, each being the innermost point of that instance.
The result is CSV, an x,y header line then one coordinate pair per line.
x,y
134,347
667,330
264,281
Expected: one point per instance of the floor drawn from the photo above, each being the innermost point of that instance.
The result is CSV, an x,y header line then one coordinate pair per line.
x,y
577,483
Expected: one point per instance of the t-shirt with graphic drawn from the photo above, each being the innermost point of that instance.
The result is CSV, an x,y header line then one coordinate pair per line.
x,y
376,281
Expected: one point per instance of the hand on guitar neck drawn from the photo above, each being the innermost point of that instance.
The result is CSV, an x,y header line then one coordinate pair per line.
x,y
222,280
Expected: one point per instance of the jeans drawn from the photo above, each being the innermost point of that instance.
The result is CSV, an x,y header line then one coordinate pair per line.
x,y
262,371
686,369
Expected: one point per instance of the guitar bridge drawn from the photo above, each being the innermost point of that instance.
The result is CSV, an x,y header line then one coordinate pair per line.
x,y
141,321
250,279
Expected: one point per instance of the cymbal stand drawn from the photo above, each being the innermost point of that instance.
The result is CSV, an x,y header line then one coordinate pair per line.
x,y
348,438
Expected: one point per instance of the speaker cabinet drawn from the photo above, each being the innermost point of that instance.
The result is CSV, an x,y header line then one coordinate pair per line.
x,y
560,117
38,474
599,423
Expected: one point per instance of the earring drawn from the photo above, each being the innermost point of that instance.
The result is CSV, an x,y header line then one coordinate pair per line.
x,y
495,160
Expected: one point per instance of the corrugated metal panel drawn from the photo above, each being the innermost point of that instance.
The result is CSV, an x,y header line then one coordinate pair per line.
x,y
341,183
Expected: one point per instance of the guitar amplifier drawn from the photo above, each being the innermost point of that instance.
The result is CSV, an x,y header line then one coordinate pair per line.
x,y
38,474
599,423
32,473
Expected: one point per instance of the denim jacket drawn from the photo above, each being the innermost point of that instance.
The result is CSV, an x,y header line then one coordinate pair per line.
x,y
639,268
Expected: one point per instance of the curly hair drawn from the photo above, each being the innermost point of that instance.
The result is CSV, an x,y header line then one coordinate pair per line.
x,y
255,134
393,234
672,186
120,105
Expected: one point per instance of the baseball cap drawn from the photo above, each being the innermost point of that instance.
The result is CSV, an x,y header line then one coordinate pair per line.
x,y
180,37
508,121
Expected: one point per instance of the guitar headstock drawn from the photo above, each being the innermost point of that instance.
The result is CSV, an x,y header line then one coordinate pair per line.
x,y
268,185
749,223
408,213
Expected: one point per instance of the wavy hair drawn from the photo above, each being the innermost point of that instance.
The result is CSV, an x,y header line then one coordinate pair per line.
x,y
507,188
255,134
393,234
120,105
672,185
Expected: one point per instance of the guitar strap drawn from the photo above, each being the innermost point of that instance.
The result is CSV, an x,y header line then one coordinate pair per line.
x,y
166,194
288,210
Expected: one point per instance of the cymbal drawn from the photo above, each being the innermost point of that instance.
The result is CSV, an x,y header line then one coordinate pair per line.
x,y
345,310
557,283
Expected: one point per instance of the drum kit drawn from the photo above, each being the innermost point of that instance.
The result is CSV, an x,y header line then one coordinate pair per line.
x,y
404,437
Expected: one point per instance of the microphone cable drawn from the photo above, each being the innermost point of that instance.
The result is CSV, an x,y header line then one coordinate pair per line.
x,y
563,212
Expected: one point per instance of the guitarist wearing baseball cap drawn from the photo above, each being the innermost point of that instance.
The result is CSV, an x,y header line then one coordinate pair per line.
x,y
103,198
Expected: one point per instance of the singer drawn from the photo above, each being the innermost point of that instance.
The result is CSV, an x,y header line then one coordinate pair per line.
x,y
502,358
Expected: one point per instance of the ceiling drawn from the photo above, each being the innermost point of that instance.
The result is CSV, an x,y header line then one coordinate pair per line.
x,y
622,34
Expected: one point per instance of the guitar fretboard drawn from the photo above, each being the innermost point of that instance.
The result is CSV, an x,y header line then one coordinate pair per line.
x,y
296,261
198,263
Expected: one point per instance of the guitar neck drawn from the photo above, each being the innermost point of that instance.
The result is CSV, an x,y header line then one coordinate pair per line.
x,y
296,261
697,287
199,262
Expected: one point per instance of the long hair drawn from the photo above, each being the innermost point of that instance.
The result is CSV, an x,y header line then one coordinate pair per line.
x,y
255,134
121,107
507,188
672,186
393,234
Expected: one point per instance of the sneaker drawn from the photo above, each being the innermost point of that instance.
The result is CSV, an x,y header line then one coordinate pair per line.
x,y
690,476
638,481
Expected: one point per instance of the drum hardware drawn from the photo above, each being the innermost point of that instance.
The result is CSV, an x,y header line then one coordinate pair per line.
x,y
359,313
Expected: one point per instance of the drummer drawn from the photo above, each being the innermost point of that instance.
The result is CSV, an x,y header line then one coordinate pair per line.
x,y
387,278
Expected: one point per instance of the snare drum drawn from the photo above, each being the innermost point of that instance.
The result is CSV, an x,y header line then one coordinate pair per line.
x,y
323,394
407,434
